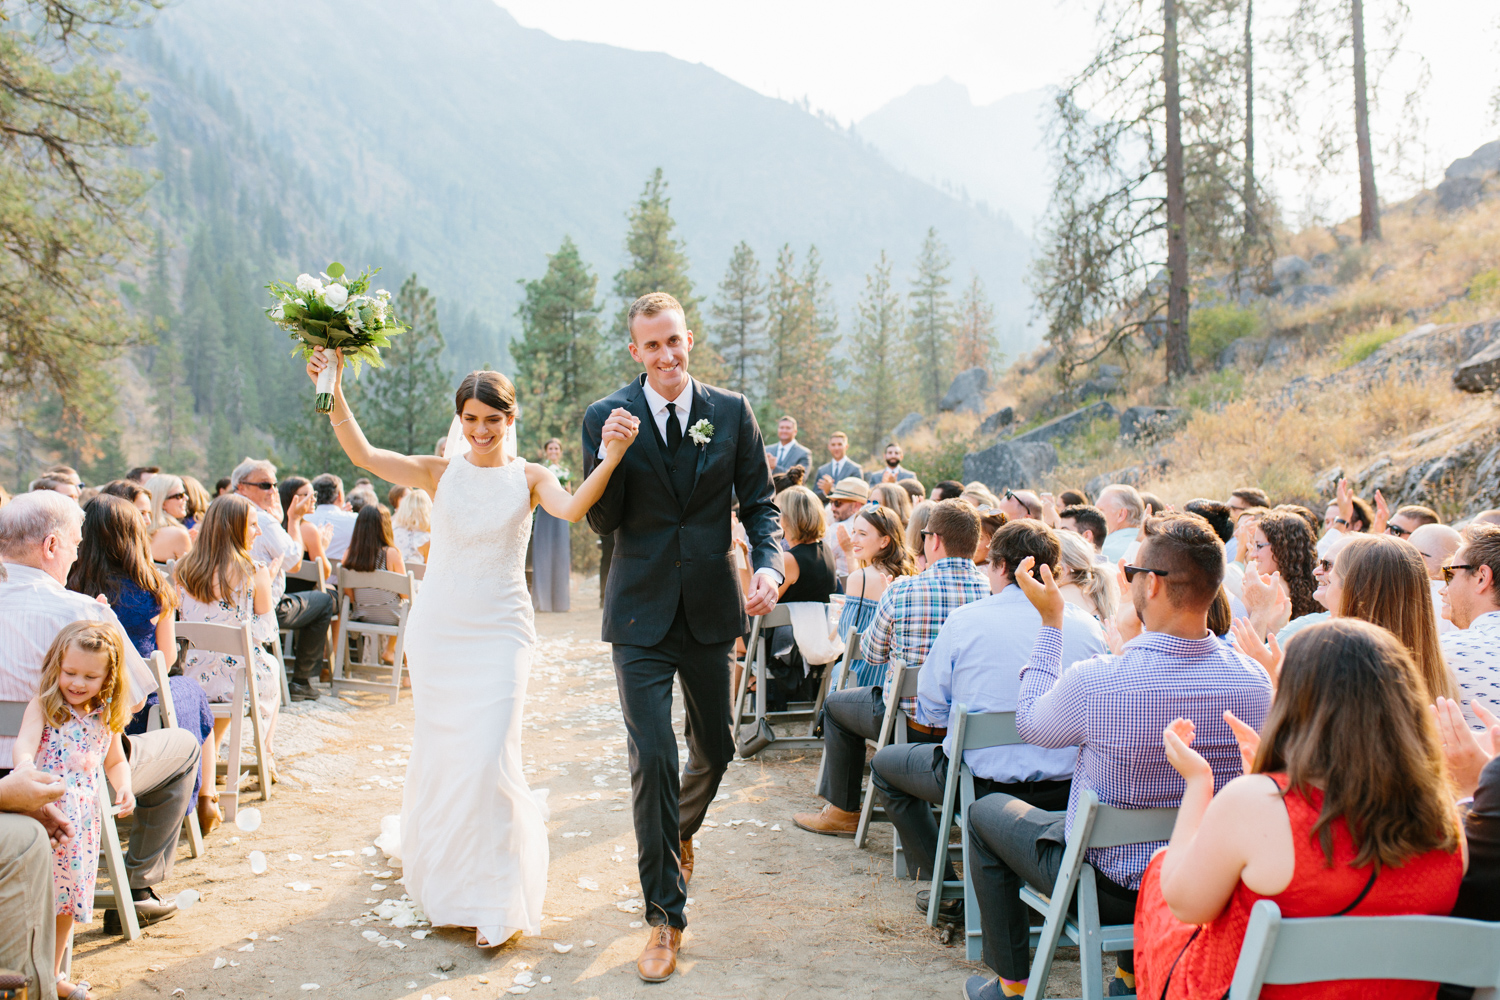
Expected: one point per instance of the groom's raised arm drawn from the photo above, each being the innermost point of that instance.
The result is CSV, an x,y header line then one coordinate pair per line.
x,y
605,516
752,485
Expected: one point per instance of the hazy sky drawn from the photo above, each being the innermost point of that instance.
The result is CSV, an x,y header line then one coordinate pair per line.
x,y
849,57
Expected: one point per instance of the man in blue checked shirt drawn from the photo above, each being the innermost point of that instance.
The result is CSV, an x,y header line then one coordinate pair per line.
x,y
1115,709
977,662
906,622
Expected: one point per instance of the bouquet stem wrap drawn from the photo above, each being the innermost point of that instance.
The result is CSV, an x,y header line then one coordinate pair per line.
x,y
323,401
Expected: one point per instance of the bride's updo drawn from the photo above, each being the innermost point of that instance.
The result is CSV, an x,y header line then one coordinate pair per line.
x,y
489,387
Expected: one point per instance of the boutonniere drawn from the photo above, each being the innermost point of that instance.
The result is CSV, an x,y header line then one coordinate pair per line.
x,y
702,432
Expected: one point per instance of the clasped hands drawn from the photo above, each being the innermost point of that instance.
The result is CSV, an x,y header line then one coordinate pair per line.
x,y
618,432
32,792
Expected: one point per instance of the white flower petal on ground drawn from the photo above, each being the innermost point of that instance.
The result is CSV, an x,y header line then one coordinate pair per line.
x,y
589,884
309,987
187,899
560,948
220,962
299,886
248,820
294,857
257,863
248,947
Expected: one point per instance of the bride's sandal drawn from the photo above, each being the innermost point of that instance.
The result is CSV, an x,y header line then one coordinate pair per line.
x,y
210,816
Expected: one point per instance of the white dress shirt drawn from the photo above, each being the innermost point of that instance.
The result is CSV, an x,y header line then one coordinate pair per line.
x,y
33,609
1473,656
273,542
343,527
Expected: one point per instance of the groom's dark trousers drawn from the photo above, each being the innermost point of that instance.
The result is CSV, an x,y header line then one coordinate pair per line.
x,y
673,607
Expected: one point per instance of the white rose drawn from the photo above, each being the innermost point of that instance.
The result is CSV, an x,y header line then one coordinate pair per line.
x,y
278,313
306,283
335,295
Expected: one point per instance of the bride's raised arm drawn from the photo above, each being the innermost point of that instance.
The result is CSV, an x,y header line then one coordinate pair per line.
x,y
416,471
618,433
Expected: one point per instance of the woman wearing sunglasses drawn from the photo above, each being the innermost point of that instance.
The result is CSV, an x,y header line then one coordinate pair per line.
x,y
169,505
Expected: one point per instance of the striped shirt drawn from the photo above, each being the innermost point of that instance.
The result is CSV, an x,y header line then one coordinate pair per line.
x,y
913,609
1115,709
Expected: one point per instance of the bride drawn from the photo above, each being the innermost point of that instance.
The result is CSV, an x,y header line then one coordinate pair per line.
x,y
473,838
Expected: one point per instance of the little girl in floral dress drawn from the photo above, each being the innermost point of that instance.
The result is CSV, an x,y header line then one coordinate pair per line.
x,y
70,727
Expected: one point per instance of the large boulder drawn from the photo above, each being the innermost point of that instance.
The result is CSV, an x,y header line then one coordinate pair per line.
x,y
1302,295
1150,421
1010,465
1069,423
908,425
1480,373
1463,182
966,394
1000,418
1289,271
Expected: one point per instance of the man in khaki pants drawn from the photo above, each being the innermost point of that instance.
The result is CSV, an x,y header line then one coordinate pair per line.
x,y
29,827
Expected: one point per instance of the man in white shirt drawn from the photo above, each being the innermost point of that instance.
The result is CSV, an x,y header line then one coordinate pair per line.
x,y
1473,599
305,614
1436,543
39,537
328,494
787,450
1123,511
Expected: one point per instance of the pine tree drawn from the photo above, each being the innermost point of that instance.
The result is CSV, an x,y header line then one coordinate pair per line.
x,y
802,335
974,331
930,332
408,407
561,362
789,323
173,403
739,322
879,360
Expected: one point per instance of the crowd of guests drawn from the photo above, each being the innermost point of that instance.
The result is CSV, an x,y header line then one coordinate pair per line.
x,y
96,580
1310,691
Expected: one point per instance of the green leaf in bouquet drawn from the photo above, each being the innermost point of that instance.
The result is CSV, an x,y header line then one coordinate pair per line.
x,y
335,270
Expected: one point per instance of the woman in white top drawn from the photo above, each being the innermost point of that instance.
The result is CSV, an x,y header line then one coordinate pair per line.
x,y
169,505
412,526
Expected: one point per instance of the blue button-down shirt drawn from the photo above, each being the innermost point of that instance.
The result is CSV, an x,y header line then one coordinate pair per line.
x,y
913,608
977,662
1115,709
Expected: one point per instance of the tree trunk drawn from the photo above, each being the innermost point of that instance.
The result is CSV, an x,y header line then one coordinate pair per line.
x,y
1369,202
1251,209
1179,361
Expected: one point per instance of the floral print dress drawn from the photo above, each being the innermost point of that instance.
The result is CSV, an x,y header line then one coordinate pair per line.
x,y
215,671
74,751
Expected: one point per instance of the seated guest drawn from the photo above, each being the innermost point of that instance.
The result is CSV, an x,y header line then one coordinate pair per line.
x,y
330,508
948,489
1406,520
64,472
990,521
1475,769
67,489
979,496
1473,600
1087,522
361,496
39,538
845,500
882,557
197,502
1123,509
914,529
1345,811
905,624
914,488
1383,581
412,526
1099,706
1084,582
838,467
807,570
788,451
221,487
372,547
892,471
1328,594
892,496
397,494
1017,504
976,661
1156,503
296,493
134,492
1221,519
1283,544
1073,498
141,473
1436,543
1355,514
1240,500
31,826
786,480
169,499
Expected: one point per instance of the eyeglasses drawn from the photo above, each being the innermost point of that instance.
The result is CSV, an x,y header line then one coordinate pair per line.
x,y
1325,565
175,496
1262,545
1009,495
871,504
1397,530
1131,571
985,510
259,486
926,532
1452,568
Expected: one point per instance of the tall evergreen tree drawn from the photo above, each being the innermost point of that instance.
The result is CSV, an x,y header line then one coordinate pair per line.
x,y
929,333
788,325
809,385
561,362
409,397
172,402
974,330
878,358
739,322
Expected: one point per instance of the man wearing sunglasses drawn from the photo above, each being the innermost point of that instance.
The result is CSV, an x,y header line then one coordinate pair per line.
x,y
1017,505
1472,596
1436,543
1407,519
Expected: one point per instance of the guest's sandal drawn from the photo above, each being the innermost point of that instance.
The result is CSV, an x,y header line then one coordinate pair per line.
x,y
210,816
80,990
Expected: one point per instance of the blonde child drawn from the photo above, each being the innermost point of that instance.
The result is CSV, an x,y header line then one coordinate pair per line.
x,y
72,725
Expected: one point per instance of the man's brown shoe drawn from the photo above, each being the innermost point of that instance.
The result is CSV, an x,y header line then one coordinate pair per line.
x,y
832,821
659,960
686,861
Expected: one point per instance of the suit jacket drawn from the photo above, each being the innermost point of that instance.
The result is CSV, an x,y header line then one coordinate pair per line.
x,y
1479,893
850,468
668,552
878,476
795,455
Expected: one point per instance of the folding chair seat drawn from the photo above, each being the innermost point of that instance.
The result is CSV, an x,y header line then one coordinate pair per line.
x,y
1094,825
756,656
231,640
311,571
163,715
356,672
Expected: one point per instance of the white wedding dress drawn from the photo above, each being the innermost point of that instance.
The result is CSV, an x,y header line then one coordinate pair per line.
x,y
473,836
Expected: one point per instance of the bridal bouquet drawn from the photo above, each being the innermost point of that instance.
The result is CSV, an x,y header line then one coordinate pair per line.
x,y
336,312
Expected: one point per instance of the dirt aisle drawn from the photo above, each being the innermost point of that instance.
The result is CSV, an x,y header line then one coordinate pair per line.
x,y
775,912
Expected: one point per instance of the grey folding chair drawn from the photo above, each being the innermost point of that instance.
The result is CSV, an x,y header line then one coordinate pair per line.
x,y
903,684
756,657
358,673
1094,825
230,640
970,732
1318,949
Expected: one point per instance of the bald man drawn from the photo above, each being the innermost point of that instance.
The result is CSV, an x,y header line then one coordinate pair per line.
x,y
1436,543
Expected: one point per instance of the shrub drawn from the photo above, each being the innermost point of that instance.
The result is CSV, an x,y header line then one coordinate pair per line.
x,y
1358,346
1213,328
1485,285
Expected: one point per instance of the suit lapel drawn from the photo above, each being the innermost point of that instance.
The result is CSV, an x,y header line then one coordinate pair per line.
x,y
637,406
703,409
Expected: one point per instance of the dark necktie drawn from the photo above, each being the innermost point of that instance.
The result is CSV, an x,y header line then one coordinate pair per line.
x,y
674,429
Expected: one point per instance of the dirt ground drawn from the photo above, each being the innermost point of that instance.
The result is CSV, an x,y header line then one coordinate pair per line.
x,y
775,912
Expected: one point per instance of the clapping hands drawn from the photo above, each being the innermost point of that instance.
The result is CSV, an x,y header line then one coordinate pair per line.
x,y
1266,599
1467,752
1268,654
1177,740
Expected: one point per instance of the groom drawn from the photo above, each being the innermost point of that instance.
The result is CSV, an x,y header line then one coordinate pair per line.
x,y
672,606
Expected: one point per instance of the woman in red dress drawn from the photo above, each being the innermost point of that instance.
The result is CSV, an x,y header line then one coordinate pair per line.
x,y
1346,809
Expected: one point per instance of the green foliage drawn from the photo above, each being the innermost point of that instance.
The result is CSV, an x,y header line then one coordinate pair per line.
x,y
1213,328
410,396
974,331
1099,439
1211,390
879,361
929,334
1358,346
1353,262
942,460
1485,284
802,334
739,322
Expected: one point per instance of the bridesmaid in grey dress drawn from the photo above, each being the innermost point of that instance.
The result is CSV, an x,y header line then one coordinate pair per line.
x,y
551,551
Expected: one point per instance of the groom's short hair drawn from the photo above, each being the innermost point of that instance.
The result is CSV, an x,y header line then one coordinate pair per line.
x,y
649,305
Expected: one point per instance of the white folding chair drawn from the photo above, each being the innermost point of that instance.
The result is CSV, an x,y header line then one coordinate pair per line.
x,y
842,674
230,640
903,684
970,732
417,570
310,571
1094,825
163,715
1319,949
755,660
356,673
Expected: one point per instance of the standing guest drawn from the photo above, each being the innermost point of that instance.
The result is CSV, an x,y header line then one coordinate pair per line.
x,y
328,496
1344,811
169,505
396,495
847,498
1284,545
372,547
551,549
412,526
1123,509
197,502
1097,706
1017,504
306,615
294,491
1472,596
915,529
881,557
114,560
904,626
948,489
1241,500
1084,582
976,661
39,538
990,521
1436,543
221,487
838,467
892,470
67,489
134,492
892,496
787,451
141,473
1087,522
1073,498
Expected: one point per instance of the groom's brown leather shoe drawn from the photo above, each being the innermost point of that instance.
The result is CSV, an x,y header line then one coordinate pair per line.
x,y
686,861
659,960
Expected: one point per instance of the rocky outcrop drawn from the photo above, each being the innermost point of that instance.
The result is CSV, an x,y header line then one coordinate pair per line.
x,y
1466,181
1010,465
1150,422
1069,423
1481,373
1000,418
966,394
908,425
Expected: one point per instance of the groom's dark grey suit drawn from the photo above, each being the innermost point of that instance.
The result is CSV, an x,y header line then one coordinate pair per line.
x,y
673,607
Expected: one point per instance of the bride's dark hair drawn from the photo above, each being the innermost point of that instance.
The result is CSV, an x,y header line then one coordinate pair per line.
x,y
490,388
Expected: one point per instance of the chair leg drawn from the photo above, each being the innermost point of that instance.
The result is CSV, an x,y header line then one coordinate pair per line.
x,y
1046,946
230,797
828,669
193,832
973,935
114,862
258,735
1090,956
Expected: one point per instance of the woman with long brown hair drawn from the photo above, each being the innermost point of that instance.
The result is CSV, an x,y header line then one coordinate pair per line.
x,y
1383,579
1346,809
881,555
1283,543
